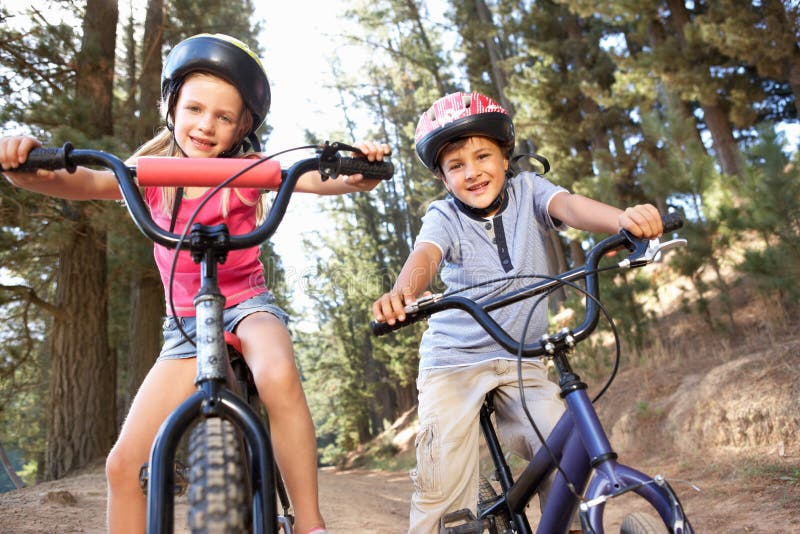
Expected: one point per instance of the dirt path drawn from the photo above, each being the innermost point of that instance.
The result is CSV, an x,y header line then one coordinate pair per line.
x,y
366,501
351,501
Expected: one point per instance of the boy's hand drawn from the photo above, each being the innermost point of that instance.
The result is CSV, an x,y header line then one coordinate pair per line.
x,y
390,308
643,220
373,152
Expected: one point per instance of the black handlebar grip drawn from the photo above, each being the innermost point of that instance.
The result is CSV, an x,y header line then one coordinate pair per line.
x,y
50,159
379,328
374,170
672,221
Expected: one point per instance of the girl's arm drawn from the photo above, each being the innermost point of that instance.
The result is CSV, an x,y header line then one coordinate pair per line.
x,y
414,279
584,213
311,182
83,184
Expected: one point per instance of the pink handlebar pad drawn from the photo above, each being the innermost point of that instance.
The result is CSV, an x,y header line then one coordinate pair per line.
x,y
207,172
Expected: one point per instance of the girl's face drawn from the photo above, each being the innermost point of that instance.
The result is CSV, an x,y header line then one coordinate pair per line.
x,y
209,116
474,172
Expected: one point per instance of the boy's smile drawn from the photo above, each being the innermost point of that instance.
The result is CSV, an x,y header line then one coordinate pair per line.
x,y
474,171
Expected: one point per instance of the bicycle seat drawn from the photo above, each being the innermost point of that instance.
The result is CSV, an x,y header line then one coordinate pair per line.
x,y
233,341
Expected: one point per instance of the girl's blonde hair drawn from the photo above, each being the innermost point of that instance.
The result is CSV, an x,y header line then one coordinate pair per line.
x,y
163,145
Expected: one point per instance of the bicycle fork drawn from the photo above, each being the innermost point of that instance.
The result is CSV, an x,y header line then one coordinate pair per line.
x,y
610,479
212,399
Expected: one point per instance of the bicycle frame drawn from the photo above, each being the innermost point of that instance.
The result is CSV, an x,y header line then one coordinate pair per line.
x,y
578,441
210,246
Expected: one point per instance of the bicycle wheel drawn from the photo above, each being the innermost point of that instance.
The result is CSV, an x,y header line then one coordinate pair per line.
x,y
486,496
218,494
642,523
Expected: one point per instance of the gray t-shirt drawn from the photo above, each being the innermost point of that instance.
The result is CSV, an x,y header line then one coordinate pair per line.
x,y
474,250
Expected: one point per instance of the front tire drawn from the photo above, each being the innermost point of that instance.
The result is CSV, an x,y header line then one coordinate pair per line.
x,y
218,496
642,523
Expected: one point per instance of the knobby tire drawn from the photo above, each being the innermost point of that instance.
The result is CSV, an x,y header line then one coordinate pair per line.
x,y
219,501
642,523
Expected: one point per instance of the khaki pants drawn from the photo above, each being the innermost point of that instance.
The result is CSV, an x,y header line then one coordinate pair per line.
x,y
446,477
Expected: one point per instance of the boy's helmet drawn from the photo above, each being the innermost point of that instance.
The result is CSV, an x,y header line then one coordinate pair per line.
x,y
223,56
461,115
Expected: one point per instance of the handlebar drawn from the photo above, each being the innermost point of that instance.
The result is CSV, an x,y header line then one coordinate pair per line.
x,y
163,171
642,252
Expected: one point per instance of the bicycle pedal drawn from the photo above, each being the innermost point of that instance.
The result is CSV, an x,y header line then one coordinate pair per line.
x,y
461,522
181,478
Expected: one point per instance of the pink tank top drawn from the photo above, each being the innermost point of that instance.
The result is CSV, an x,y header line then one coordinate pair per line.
x,y
242,274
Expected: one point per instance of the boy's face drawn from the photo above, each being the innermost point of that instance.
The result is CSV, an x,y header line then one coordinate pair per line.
x,y
474,172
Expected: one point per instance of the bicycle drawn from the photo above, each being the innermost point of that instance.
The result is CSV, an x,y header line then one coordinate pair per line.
x,y
578,445
239,480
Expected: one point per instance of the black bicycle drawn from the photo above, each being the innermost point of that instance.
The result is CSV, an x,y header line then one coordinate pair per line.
x,y
587,473
233,482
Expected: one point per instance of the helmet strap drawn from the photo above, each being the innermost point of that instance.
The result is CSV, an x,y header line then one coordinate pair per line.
x,y
482,213
175,141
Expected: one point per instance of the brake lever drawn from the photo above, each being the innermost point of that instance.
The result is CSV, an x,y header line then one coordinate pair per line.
x,y
329,158
422,302
648,252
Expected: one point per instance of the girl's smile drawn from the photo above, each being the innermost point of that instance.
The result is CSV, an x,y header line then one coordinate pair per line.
x,y
209,116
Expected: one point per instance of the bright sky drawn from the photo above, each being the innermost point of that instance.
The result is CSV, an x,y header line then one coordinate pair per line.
x,y
297,52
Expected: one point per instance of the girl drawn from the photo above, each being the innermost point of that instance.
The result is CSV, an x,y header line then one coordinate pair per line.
x,y
215,94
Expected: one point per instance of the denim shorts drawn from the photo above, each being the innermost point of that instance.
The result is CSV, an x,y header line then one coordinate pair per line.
x,y
176,346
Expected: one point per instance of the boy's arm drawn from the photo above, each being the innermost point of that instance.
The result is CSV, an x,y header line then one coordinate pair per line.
x,y
415,278
584,213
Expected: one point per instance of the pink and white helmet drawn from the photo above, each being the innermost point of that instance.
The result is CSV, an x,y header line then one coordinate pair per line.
x,y
461,115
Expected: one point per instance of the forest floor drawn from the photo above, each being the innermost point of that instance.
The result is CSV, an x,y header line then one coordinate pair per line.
x,y
721,422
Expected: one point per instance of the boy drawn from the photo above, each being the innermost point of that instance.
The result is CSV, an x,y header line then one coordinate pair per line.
x,y
492,224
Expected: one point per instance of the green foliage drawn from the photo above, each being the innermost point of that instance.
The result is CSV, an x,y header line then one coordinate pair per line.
x,y
630,101
189,17
771,214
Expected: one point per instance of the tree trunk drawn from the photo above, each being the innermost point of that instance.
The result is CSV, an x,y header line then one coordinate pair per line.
x,y
95,80
728,156
149,83
147,308
727,152
495,57
794,79
81,425
147,295
81,421
406,397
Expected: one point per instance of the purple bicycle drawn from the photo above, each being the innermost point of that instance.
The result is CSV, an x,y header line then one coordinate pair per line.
x,y
588,473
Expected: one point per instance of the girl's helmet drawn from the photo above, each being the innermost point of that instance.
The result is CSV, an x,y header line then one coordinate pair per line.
x,y
223,56
461,115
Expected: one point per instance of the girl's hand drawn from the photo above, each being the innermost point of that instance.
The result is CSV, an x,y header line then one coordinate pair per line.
x,y
373,152
14,152
642,221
